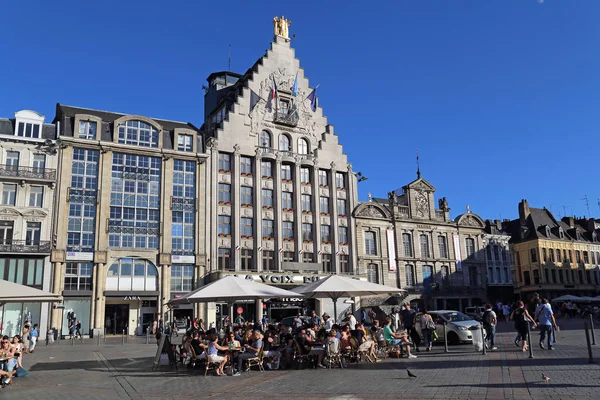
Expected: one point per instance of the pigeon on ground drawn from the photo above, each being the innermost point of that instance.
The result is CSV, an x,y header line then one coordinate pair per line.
x,y
410,374
545,378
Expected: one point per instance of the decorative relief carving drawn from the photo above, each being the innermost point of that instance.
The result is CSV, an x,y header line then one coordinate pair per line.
x,y
422,204
236,149
267,183
371,212
246,181
470,221
323,192
341,194
224,178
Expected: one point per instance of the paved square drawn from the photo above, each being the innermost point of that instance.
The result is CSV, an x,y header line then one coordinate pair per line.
x,y
116,371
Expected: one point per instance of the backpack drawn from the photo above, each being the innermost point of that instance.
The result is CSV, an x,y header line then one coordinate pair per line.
x,y
487,318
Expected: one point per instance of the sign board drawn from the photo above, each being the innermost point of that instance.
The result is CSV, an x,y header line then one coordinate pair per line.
x,y
183,259
240,310
131,298
391,242
161,344
457,256
80,256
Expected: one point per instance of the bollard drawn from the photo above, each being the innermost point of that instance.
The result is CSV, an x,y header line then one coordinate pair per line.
x,y
123,337
589,345
104,336
529,340
483,339
72,340
147,336
98,339
445,340
592,329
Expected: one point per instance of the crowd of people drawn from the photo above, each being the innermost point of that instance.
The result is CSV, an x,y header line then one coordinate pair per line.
x,y
12,351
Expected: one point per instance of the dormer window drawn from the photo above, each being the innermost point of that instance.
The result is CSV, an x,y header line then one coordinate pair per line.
x,y
28,130
547,231
594,237
87,130
561,233
578,235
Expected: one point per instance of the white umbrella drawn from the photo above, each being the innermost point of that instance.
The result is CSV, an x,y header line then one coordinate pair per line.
x,y
567,297
11,292
335,286
231,288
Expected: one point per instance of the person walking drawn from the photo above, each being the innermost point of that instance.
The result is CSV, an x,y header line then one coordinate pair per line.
x,y
545,315
35,333
490,320
408,320
506,312
427,329
522,319
78,330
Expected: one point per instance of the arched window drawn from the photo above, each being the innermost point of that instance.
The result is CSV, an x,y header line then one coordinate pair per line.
x,y
370,247
407,244
302,146
284,143
129,274
470,245
410,275
424,246
372,273
265,139
427,276
138,133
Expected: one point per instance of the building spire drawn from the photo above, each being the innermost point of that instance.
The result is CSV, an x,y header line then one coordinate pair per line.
x,y
418,166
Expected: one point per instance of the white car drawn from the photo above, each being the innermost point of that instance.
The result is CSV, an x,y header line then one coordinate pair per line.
x,y
459,326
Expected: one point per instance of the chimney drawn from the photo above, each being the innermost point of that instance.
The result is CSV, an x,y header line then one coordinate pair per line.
x,y
523,211
569,221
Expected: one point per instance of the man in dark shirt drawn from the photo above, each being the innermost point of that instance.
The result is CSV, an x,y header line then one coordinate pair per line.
x,y
196,345
408,320
286,344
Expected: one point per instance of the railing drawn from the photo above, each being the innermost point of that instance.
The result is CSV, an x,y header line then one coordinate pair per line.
x,y
82,196
403,210
285,153
127,227
182,252
16,171
25,246
286,118
183,204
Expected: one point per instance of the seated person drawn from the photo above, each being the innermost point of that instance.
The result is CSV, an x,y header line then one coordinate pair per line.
x,y
307,348
213,356
231,342
270,349
286,344
197,345
252,350
8,353
396,339
238,332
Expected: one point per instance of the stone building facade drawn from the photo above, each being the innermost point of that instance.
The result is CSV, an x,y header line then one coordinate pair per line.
x,y
406,241
130,219
280,189
28,162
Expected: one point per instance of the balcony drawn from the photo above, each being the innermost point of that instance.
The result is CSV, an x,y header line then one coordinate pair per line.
x,y
286,118
183,204
25,247
82,196
21,173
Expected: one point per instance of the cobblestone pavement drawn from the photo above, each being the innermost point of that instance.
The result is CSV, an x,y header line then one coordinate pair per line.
x,y
115,371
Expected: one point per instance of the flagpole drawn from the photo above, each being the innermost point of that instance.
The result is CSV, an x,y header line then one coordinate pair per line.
x,y
302,102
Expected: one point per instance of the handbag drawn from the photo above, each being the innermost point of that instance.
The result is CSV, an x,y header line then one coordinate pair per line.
x,y
21,372
429,324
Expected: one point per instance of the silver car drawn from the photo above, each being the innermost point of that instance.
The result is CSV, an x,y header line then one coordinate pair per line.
x,y
459,326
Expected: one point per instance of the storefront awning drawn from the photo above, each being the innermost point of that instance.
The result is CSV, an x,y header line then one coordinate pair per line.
x,y
11,292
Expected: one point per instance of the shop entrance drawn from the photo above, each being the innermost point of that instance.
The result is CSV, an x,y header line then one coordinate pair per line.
x,y
115,318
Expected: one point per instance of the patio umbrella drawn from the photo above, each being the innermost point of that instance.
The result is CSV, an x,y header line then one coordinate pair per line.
x,y
335,286
567,297
11,292
231,288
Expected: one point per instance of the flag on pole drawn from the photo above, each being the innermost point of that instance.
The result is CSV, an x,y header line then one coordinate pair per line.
x,y
338,253
320,252
254,99
313,99
300,251
238,248
281,249
260,249
274,90
295,86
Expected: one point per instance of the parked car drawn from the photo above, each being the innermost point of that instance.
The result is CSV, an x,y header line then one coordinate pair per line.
x,y
475,312
289,321
458,326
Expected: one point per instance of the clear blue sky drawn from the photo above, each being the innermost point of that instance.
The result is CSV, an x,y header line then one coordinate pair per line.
x,y
501,97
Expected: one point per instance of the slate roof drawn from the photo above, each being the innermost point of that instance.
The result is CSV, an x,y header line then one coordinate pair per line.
x,y
7,127
535,224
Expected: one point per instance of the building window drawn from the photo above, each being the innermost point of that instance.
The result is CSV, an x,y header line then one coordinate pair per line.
x,y
586,259
593,258
288,230
78,276
443,247
6,233
340,180
87,130
553,273
370,245
135,201
342,235
184,189
288,256
427,271
286,201
224,162
12,161
544,255
302,146
306,203
36,196
308,257
247,260
9,194
138,133
33,233
325,234
533,255
561,277
307,232
184,143
266,169
246,166
265,139
39,163
286,173
246,227
577,256
372,273
29,130
284,143
323,181
82,201
558,256
407,244
246,196
267,229
444,273
224,259
267,198
470,245
326,262
120,274
182,278
570,254
551,254
268,260
410,275
344,264
424,239
224,193
24,271
305,175
324,205
341,207
224,225
536,276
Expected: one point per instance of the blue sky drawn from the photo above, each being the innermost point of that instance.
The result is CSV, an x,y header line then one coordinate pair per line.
x,y
501,97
